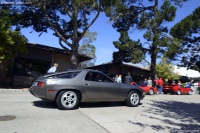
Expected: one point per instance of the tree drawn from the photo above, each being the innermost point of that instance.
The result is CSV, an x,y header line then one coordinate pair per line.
x,y
11,42
158,43
88,49
69,19
165,70
188,31
128,49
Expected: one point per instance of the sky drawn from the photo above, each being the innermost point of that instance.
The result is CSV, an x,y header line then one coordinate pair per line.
x,y
106,33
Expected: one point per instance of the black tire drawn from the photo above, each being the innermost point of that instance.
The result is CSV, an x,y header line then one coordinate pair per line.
x,y
133,99
165,92
67,100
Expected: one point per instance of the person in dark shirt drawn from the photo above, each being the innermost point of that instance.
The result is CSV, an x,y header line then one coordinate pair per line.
x,y
128,78
145,82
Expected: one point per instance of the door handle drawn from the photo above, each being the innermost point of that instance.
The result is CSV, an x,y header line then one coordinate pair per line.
x,y
87,84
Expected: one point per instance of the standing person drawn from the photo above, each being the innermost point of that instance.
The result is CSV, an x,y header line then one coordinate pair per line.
x,y
128,78
145,83
160,85
156,82
53,68
119,79
149,82
116,77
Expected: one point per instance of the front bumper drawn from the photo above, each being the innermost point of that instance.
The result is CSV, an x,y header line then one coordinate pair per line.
x,y
143,95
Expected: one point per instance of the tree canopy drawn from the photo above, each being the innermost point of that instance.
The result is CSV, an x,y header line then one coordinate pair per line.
x,y
11,42
69,19
88,49
165,70
188,31
158,43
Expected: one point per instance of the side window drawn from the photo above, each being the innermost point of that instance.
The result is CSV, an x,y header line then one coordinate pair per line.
x,y
106,79
97,77
68,75
90,76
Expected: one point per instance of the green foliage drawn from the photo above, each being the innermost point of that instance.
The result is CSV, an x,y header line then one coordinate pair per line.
x,y
153,21
89,37
198,89
88,49
69,20
128,49
11,42
166,70
188,32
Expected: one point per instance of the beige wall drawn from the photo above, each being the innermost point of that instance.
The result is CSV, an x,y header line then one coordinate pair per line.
x,y
38,54
63,61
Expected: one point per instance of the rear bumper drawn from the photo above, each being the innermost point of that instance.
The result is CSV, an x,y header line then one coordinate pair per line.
x,y
31,91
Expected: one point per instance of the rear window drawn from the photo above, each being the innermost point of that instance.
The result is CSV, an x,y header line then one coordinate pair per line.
x,y
67,75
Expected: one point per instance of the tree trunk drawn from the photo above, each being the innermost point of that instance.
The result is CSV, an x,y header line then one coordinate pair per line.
x,y
74,60
75,40
153,65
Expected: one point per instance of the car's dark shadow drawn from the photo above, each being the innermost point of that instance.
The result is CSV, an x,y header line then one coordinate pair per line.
x,y
101,104
45,104
52,105
169,112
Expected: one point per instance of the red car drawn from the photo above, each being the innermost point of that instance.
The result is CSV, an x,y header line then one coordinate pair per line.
x,y
149,90
177,89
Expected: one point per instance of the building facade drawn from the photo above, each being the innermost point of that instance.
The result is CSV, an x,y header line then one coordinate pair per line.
x,y
39,58
112,69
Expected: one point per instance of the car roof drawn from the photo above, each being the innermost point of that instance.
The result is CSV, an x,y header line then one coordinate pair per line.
x,y
49,74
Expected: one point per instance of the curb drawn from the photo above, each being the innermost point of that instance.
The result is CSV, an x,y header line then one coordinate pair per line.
x,y
14,90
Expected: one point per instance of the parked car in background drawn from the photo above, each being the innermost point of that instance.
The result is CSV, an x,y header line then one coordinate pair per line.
x,y
69,88
149,90
175,88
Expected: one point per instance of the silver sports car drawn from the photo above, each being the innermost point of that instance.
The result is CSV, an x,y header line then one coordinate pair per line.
x,y
69,88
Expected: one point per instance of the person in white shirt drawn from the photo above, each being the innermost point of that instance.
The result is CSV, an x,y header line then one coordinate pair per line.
x,y
149,82
119,79
53,69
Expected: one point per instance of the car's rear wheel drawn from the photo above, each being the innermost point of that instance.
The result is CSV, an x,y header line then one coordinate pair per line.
x,y
151,91
133,99
67,100
179,92
190,92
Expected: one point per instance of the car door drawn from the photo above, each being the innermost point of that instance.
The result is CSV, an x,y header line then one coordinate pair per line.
x,y
185,90
99,86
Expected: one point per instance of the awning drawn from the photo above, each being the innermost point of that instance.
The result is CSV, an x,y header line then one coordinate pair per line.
x,y
183,71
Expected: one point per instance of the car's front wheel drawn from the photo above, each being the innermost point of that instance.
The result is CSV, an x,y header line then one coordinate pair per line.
x,y
190,92
151,91
179,92
133,99
67,100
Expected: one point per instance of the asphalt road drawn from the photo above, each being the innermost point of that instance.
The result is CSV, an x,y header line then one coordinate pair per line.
x,y
20,112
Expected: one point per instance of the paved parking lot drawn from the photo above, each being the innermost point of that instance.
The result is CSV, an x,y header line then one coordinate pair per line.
x,y
20,112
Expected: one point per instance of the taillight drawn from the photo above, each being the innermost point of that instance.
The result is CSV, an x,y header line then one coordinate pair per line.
x,y
41,84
